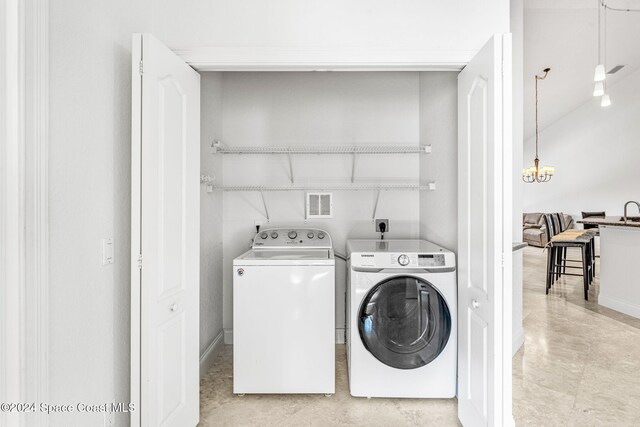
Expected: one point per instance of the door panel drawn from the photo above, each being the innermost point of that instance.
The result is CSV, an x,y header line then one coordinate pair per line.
x,y
484,236
165,233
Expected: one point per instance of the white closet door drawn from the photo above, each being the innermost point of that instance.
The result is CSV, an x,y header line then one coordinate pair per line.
x,y
165,234
484,236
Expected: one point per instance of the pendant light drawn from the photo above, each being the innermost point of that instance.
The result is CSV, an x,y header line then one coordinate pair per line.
x,y
600,74
536,173
606,100
598,90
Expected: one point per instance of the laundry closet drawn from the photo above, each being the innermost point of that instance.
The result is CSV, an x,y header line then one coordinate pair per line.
x,y
204,184
413,113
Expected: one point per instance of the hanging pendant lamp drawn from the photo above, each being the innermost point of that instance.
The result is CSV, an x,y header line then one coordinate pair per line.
x,y
600,75
536,173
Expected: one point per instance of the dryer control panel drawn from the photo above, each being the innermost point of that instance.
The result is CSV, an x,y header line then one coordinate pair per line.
x,y
399,254
302,238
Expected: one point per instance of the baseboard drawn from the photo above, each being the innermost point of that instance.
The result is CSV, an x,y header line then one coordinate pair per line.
x,y
209,355
228,336
518,341
619,305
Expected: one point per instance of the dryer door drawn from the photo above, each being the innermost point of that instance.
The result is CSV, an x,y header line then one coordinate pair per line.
x,y
404,322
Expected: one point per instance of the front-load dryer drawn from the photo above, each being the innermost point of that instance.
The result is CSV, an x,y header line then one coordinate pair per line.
x,y
401,311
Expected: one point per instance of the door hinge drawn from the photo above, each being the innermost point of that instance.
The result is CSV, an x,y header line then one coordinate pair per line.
x,y
141,68
140,262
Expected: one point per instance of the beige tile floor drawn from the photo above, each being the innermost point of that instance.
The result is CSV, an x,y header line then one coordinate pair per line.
x,y
580,365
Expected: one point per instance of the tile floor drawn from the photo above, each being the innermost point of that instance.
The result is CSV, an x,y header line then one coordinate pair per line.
x,y
580,365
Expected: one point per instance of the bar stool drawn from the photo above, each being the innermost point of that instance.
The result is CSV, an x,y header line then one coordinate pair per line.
x,y
556,256
559,223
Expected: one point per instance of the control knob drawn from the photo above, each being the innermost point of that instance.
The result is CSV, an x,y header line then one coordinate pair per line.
x,y
264,235
292,234
403,260
274,235
310,235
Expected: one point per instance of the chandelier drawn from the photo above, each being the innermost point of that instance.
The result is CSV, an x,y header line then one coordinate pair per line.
x,y
536,173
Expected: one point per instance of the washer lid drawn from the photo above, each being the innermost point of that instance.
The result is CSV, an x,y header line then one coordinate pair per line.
x,y
286,257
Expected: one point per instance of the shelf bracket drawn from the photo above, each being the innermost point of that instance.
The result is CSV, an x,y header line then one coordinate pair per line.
x,y
290,166
216,145
353,166
375,207
264,203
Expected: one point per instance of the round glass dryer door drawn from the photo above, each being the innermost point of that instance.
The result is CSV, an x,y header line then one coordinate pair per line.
x,y
404,322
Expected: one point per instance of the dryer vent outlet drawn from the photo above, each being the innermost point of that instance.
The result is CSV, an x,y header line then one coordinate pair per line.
x,y
384,228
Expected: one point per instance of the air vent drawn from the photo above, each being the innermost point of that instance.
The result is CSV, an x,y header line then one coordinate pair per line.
x,y
615,69
319,205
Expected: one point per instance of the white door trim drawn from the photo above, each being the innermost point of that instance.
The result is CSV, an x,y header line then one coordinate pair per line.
x,y
24,206
11,212
266,58
37,203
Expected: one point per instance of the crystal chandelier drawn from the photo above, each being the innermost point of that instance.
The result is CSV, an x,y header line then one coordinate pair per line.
x,y
536,173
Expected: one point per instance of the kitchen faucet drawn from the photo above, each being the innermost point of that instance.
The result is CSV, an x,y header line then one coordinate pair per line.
x,y
625,208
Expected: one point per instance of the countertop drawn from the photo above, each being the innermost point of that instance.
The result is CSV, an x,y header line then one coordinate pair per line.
x,y
611,220
519,245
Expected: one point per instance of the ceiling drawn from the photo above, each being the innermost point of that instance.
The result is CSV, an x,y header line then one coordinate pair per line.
x,y
562,35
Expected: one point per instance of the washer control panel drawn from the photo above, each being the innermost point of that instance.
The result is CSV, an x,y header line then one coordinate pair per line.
x,y
400,260
306,238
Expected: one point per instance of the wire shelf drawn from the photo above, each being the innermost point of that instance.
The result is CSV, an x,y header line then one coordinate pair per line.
x,y
353,149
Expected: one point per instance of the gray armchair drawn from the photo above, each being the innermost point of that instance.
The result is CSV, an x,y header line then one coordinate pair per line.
x,y
534,228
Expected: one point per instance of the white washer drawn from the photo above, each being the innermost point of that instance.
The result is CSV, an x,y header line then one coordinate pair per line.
x,y
284,314
402,312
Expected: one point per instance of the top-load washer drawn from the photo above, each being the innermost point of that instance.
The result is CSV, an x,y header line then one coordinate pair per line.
x,y
284,313
401,311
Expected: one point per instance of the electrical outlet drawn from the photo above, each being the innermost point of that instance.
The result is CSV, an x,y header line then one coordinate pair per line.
x,y
386,225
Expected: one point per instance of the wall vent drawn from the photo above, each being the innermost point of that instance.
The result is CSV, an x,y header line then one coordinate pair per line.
x,y
615,69
319,205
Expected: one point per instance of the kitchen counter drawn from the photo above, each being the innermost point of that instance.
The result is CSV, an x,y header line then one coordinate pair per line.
x,y
633,221
619,264
518,245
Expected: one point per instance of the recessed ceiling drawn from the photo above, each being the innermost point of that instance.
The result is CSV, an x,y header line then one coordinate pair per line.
x,y
562,35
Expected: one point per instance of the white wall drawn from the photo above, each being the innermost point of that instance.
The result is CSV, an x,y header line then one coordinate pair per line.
x,y
439,128
415,24
595,151
317,108
89,176
89,199
517,33
210,218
